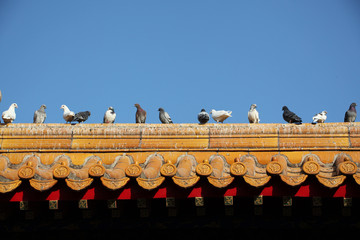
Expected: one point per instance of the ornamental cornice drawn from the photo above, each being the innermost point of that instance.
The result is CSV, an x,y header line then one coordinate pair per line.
x,y
45,154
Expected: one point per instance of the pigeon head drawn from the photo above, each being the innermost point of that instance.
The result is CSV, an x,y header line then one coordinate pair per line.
x,y
63,107
212,111
285,108
14,105
137,105
43,106
111,109
88,113
352,106
324,112
253,106
161,110
203,110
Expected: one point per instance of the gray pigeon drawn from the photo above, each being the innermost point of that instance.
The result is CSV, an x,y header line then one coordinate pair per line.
x,y
40,115
203,117
164,116
81,116
290,117
350,114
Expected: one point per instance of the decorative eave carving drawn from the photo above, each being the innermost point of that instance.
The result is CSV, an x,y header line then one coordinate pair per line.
x,y
183,153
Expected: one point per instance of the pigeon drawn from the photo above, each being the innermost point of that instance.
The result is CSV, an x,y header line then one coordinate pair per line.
x,y
109,116
203,117
290,117
350,114
40,115
81,116
221,115
164,116
140,116
253,114
9,115
67,115
320,117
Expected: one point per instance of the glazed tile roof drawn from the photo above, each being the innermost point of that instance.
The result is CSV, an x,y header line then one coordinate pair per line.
x,y
149,156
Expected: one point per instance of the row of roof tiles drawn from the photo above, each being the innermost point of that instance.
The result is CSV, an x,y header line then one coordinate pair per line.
x,y
185,171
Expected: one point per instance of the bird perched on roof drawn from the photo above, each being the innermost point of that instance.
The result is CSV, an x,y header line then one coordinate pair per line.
x,y
67,115
40,114
253,114
164,116
9,115
350,115
290,117
81,116
140,116
109,116
203,116
320,117
221,115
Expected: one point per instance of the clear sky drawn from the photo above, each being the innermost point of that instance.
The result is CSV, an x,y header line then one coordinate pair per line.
x,y
180,55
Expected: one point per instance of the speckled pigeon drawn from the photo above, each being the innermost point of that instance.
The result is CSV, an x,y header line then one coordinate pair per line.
x,y
40,115
253,114
109,116
320,117
140,116
290,117
350,115
164,116
203,117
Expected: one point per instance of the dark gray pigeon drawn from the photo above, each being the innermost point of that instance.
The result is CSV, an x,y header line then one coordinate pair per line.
x,y
203,116
40,115
81,116
350,114
164,116
290,117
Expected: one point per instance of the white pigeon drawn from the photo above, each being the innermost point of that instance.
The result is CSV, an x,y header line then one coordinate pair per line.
x,y
9,115
253,114
109,116
319,118
67,115
221,115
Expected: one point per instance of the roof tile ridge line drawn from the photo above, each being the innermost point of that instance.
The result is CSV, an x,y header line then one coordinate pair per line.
x,y
141,136
278,138
349,138
209,136
72,137
1,139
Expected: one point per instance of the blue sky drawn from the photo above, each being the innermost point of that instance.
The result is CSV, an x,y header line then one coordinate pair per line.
x,y
180,55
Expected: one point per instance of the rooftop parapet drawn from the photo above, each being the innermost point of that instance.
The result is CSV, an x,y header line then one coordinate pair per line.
x,y
44,154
